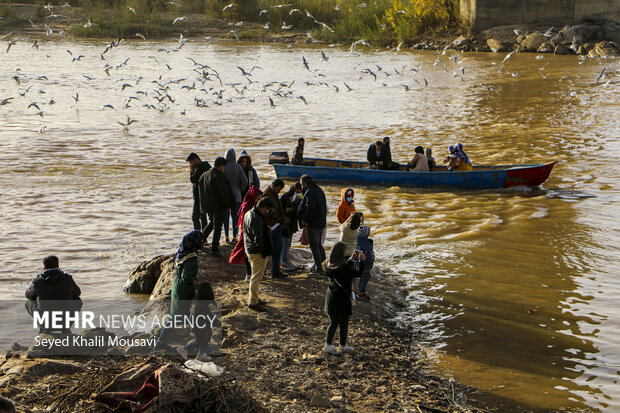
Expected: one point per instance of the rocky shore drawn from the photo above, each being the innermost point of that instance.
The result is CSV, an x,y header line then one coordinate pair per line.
x,y
271,361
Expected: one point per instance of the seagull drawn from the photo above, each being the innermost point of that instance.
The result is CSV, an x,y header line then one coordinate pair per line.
x,y
32,24
125,85
35,105
5,101
48,31
88,77
508,56
234,32
305,63
324,25
228,7
492,89
54,16
264,11
600,76
266,26
89,24
285,27
42,128
349,88
131,9
311,37
324,56
141,36
179,19
293,11
76,97
303,99
107,106
77,58
273,105
548,33
127,123
11,43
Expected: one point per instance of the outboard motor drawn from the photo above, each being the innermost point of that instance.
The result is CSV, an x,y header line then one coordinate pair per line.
x,y
278,157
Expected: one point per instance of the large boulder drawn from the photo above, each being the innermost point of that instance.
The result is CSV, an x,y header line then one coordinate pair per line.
x,y
532,41
144,277
497,45
605,49
546,47
562,49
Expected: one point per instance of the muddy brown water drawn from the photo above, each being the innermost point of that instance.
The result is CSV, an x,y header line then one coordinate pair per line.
x,y
515,292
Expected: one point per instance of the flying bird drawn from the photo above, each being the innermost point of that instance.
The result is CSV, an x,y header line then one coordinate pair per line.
x,y
228,7
179,19
305,63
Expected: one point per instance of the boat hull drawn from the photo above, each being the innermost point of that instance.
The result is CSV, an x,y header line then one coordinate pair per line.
x,y
487,177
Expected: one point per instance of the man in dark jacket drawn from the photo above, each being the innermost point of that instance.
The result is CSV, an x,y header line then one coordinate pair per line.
x,y
276,218
257,244
376,156
298,154
216,198
196,168
389,164
312,213
53,284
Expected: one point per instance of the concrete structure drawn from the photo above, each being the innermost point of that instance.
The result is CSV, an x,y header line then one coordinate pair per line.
x,y
482,14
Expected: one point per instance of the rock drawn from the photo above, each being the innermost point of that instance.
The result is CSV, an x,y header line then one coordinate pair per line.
x,y
28,369
533,41
143,278
611,31
562,49
336,399
497,45
546,47
585,48
319,401
605,49
14,350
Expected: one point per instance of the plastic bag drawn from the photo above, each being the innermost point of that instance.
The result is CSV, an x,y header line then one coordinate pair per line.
x,y
209,368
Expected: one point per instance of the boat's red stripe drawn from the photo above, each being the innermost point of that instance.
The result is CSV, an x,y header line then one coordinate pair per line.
x,y
528,176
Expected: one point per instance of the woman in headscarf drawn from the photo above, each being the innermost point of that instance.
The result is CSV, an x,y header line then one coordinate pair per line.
x,y
237,256
346,206
246,163
185,281
340,270
458,159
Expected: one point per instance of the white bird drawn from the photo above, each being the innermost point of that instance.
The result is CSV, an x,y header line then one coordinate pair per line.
x,y
89,24
285,27
179,19
42,128
363,5
548,33
266,26
141,36
228,7
600,76
508,56
234,32
293,11
48,31
264,11
131,9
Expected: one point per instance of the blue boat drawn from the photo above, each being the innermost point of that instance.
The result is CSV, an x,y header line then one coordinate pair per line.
x,y
355,172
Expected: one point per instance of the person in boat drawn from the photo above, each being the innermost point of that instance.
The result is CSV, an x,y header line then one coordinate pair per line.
x,y
341,271
389,164
348,232
238,256
346,206
376,156
458,160
431,161
246,163
238,181
196,168
298,154
419,162
290,201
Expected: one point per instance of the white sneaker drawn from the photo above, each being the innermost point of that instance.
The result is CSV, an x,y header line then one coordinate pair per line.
x,y
346,349
183,352
204,357
330,349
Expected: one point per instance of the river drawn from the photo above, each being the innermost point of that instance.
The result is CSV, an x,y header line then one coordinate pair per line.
x,y
513,292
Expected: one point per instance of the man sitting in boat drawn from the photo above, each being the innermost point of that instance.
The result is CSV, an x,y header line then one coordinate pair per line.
x,y
298,154
376,156
458,159
419,162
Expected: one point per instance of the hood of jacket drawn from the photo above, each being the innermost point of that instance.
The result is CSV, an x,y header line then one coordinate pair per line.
x,y
244,154
344,192
53,275
231,157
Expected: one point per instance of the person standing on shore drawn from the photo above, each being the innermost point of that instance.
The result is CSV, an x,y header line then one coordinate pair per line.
x,y
246,163
341,272
257,242
238,256
346,206
238,183
216,197
366,245
196,168
289,201
312,213
276,221
185,280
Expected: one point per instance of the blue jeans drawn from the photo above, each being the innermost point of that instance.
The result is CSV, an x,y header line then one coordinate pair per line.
x,y
276,242
364,281
286,250
316,246
233,215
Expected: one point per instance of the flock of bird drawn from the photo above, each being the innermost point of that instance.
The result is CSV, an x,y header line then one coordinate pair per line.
x,y
205,86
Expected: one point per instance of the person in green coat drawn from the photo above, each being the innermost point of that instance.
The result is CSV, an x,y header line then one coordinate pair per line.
x,y
185,281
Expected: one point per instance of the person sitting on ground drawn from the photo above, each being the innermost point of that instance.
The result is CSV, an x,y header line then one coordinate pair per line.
x,y
238,256
6,406
196,168
298,154
389,164
238,183
419,162
348,232
346,206
246,163
366,245
458,160
290,201
185,280
376,156
216,197
431,161
341,272
258,248
53,284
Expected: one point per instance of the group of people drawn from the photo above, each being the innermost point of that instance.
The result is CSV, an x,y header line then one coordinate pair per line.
x,y
379,156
